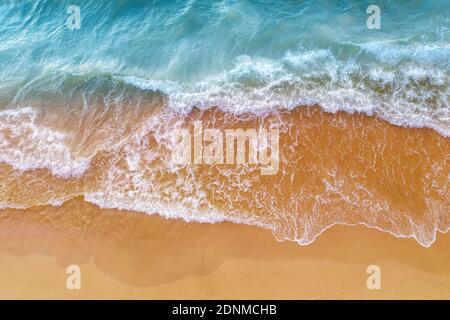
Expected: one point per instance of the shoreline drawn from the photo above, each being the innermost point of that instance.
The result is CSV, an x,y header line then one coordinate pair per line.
x,y
224,150
332,168
335,168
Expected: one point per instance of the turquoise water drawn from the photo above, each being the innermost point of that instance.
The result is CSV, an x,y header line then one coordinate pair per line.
x,y
239,55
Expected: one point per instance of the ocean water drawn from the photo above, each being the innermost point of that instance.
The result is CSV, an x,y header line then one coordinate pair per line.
x,y
87,112
240,55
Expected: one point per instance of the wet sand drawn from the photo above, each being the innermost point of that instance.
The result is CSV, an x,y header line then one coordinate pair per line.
x,y
133,255
334,168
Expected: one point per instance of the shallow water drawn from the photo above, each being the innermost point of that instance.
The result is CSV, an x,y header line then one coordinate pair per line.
x,y
91,112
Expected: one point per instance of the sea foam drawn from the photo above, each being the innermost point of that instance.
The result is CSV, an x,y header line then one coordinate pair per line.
x,y
26,144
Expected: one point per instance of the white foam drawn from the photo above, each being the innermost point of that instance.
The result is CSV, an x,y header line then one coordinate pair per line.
x,y
7,205
27,145
166,210
259,86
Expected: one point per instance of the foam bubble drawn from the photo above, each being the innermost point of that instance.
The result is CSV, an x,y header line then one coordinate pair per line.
x,y
26,144
413,95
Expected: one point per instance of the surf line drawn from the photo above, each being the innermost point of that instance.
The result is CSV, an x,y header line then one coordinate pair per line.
x,y
206,146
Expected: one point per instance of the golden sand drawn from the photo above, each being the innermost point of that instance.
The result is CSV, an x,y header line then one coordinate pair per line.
x,y
133,255
334,169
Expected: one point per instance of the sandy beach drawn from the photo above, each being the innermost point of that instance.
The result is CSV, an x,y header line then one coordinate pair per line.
x,y
224,150
125,255
133,255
